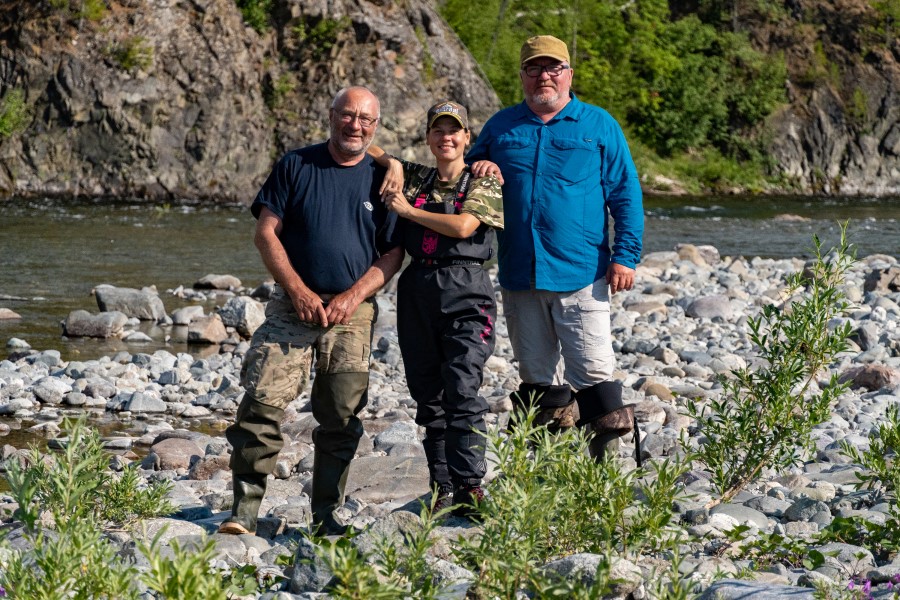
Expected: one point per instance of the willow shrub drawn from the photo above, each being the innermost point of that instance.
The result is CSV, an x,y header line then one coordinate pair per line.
x,y
765,416
552,500
882,475
65,502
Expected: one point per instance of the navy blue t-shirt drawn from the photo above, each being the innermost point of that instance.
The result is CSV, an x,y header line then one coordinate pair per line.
x,y
334,225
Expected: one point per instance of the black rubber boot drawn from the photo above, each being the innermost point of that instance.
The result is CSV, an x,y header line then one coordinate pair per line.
x,y
606,416
328,485
336,398
435,444
256,440
555,405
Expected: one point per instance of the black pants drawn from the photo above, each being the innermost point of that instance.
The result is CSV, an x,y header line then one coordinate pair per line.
x,y
445,320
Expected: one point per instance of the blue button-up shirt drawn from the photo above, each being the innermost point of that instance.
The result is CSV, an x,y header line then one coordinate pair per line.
x,y
563,180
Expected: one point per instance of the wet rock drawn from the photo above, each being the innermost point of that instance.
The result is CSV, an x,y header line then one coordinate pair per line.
x,y
218,282
81,323
142,304
207,330
872,377
172,453
244,314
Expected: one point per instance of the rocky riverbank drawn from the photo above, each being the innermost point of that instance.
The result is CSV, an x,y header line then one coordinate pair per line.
x,y
682,326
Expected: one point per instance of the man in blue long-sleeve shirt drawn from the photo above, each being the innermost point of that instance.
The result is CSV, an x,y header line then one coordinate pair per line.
x,y
567,170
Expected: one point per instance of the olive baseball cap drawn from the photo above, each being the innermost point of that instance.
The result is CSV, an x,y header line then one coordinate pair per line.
x,y
544,45
446,108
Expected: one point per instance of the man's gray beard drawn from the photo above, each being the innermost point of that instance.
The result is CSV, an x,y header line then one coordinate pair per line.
x,y
353,151
545,100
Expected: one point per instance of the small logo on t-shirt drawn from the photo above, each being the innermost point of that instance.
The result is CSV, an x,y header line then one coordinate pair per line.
x,y
369,206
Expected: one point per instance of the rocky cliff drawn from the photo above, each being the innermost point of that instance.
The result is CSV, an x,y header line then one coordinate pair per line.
x,y
840,134
180,99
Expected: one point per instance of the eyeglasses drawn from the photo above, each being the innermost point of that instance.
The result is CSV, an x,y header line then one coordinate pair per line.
x,y
364,121
551,70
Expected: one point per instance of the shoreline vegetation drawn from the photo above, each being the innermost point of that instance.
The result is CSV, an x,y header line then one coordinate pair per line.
x,y
766,392
715,97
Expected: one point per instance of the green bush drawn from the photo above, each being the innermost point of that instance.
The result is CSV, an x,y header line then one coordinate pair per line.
x,y
14,113
395,570
677,84
765,417
134,53
321,37
279,89
92,10
187,575
256,13
63,502
551,500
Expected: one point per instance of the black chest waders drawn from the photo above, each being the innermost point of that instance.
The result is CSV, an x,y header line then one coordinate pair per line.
x,y
446,312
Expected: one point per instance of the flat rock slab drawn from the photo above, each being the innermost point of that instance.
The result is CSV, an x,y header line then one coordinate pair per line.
x,y
377,479
732,589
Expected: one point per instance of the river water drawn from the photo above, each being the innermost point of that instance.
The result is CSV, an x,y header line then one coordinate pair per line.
x,y
53,252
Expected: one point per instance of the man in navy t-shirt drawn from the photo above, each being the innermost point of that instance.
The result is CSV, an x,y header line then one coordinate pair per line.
x,y
326,237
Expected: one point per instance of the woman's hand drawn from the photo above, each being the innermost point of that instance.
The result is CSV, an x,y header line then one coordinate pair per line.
x,y
397,202
393,179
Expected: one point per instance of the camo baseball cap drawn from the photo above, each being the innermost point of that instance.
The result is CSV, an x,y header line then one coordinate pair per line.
x,y
544,45
446,108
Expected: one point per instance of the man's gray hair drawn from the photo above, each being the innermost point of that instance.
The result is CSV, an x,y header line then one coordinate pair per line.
x,y
339,97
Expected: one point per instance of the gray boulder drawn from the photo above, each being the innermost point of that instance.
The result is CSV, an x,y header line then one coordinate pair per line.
x,y
142,304
244,314
81,323
207,330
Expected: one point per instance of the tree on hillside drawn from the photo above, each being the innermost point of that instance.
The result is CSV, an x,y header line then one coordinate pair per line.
x,y
677,84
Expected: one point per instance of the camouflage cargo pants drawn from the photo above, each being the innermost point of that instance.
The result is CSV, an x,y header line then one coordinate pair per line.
x,y
274,372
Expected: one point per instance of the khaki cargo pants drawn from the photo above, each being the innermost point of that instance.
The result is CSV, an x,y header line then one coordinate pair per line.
x,y
275,371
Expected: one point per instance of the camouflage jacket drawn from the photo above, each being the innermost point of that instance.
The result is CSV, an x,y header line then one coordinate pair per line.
x,y
484,200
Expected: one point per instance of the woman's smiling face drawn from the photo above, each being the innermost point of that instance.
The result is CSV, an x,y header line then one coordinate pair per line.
x,y
447,139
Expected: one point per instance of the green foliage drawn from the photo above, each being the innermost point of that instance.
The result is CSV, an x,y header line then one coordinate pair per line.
x,y
880,459
75,494
256,13
14,113
888,18
678,85
321,37
123,501
553,500
355,578
882,474
427,59
858,108
78,485
765,416
670,584
278,91
133,54
92,10
773,548
75,561
187,575
397,568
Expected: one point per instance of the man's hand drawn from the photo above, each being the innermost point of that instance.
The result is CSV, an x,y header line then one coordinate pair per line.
x,y
309,307
393,179
341,308
483,168
619,278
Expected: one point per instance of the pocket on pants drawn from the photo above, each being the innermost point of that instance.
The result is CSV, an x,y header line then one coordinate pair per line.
x,y
585,314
